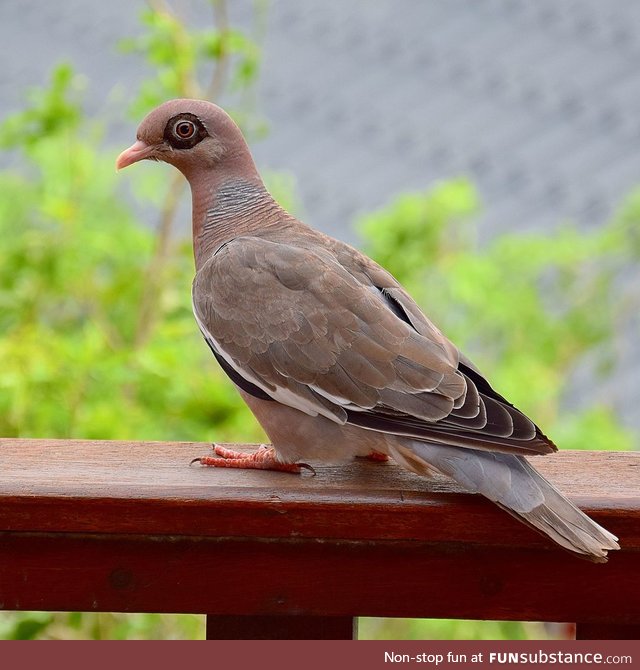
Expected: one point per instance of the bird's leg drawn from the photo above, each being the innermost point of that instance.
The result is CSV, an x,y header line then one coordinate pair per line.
x,y
263,459
376,456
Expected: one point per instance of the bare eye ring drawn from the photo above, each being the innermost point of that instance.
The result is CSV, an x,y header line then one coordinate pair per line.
x,y
184,130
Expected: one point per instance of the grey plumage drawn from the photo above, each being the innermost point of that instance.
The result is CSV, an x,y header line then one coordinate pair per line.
x,y
512,483
331,354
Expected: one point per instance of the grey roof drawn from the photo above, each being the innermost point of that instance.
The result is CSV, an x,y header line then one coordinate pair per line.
x,y
536,100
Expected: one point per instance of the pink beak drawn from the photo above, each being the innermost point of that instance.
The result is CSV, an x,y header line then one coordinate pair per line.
x,y
136,152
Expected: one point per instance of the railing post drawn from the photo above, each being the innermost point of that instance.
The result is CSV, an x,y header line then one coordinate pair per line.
x,y
607,631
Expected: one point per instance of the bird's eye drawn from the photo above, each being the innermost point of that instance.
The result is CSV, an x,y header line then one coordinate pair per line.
x,y
184,130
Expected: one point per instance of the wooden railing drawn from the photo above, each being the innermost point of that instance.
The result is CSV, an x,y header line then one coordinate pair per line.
x,y
130,527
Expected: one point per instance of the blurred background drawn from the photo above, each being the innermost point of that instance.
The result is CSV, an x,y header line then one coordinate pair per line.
x,y
485,151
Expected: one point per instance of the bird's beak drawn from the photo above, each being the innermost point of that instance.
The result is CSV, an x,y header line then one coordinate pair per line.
x,y
136,152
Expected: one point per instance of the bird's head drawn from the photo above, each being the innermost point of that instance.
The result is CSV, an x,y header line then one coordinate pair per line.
x,y
191,135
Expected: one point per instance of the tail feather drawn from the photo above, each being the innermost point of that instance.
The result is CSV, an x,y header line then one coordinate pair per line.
x,y
513,484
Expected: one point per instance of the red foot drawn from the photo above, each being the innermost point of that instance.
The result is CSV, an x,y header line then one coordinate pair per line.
x,y
377,456
263,459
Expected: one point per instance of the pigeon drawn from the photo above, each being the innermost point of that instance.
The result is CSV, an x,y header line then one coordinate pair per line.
x,y
331,354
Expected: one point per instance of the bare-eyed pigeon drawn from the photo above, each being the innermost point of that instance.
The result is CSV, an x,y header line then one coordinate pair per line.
x,y
331,354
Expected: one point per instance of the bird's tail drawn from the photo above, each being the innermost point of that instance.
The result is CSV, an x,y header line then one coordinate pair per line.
x,y
513,484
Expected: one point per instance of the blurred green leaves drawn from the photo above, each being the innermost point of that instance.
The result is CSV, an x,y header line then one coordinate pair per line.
x,y
447,629
99,626
51,111
174,51
72,270
177,54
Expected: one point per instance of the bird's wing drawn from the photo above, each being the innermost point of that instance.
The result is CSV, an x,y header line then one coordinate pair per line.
x,y
293,324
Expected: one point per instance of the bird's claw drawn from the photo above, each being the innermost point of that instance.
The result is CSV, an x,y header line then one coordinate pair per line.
x,y
263,459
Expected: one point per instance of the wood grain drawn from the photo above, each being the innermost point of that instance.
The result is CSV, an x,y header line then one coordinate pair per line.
x,y
326,579
130,527
148,487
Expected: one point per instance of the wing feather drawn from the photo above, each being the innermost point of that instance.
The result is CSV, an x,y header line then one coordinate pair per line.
x,y
339,337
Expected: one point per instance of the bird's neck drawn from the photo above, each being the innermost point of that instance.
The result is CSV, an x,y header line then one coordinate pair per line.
x,y
229,206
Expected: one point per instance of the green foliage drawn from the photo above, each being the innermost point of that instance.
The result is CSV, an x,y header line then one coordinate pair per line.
x,y
177,53
173,50
99,626
52,111
446,629
71,281
526,307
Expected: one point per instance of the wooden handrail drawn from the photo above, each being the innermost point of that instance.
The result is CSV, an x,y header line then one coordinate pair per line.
x,y
130,527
